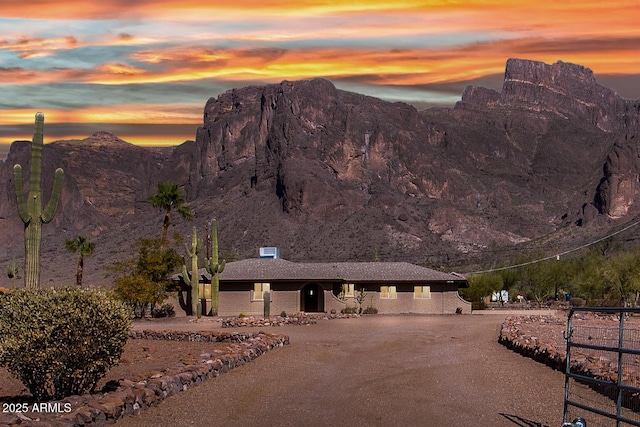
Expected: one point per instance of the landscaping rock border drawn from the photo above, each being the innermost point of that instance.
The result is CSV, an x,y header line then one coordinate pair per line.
x,y
299,319
127,397
526,335
541,339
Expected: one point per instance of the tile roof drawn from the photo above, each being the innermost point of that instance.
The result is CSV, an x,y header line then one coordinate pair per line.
x,y
279,269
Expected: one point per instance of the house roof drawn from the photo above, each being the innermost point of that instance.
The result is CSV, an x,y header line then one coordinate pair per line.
x,y
265,269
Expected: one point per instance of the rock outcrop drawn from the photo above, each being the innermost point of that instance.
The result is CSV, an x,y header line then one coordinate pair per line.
x,y
618,188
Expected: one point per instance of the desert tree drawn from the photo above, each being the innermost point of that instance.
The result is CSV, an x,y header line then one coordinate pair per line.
x,y
169,197
621,275
585,276
84,247
142,280
481,285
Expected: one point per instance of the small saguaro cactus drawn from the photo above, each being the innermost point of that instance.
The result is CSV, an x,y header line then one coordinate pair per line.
x,y
266,295
214,268
196,304
30,210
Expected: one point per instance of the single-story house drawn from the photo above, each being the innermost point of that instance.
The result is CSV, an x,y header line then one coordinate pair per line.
x,y
390,287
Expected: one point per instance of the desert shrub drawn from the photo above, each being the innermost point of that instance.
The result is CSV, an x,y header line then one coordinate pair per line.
x,y
165,310
139,292
60,342
604,302
478,305
349,310
242,316
577,302
283,314
370,310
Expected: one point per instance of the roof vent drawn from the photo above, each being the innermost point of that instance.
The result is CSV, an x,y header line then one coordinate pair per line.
x,y
270,252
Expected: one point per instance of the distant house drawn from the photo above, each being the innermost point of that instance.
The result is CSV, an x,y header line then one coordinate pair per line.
x,y
390,287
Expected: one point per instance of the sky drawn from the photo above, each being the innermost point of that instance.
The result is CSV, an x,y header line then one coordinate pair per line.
x,y
144,69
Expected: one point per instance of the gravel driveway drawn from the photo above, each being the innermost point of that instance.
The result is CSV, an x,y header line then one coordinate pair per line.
x,y
376,371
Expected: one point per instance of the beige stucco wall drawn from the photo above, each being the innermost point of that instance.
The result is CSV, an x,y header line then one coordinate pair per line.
x,y
232,303
440,303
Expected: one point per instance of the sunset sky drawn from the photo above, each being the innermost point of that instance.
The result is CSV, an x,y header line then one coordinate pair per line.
x,y
143,69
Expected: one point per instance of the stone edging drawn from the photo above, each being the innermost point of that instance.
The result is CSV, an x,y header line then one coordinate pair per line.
x,y
514,338
129,397
302,319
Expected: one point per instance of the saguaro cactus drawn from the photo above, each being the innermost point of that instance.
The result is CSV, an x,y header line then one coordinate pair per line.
x,y
266,296
196,304
30,210
214,268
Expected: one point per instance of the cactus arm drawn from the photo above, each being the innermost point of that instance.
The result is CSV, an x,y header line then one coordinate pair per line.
x,y
186,278
50,210
185,274
25,216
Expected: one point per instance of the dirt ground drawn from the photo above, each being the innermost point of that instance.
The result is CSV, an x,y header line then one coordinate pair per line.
x,y
370,371
140,359
375,371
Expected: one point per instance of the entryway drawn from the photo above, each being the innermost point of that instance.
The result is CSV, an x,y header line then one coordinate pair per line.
x,y
312,298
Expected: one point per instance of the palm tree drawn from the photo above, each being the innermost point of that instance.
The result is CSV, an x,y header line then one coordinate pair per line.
x,y
169,197
85,248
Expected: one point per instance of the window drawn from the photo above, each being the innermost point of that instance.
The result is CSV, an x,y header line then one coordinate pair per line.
x,y
422,292
348,290
388,292
204,290
258,290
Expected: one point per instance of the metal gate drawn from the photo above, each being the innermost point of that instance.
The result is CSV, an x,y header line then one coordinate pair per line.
x,y
602,374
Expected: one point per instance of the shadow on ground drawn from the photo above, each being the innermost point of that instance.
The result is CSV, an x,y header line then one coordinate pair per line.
x,y
523,422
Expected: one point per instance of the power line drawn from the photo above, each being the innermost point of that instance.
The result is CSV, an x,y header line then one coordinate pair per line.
x,y
558,255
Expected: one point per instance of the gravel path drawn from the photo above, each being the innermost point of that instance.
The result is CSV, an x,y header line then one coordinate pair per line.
x,y
376,371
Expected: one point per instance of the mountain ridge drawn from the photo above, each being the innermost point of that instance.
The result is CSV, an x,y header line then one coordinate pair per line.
x,y
332,175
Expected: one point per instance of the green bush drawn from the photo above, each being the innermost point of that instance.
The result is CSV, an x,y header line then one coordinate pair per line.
x,y
577,302
60,342
139,292
143,280
370,310
478,305
283,314
165,310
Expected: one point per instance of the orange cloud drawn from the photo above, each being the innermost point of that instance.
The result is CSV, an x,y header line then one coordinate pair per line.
x,y
120,69
126,113
605,55
405,66
565,16
77,9
27,47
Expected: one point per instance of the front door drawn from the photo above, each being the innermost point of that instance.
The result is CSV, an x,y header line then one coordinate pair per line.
x,y
312,298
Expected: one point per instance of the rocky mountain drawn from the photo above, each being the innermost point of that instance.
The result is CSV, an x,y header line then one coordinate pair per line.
x,y
329,175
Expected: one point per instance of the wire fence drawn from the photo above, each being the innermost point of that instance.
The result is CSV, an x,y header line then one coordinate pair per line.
x,y
602,383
